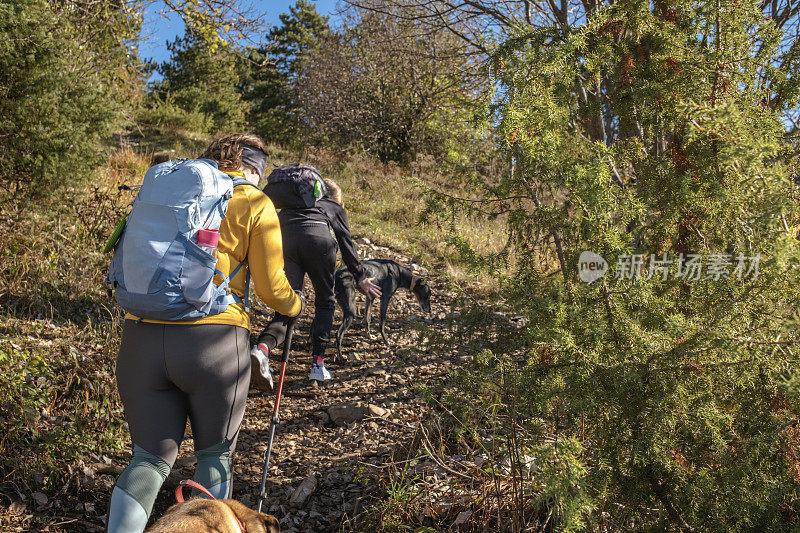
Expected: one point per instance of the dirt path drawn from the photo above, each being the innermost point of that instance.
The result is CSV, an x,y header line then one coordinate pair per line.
x,y
330,435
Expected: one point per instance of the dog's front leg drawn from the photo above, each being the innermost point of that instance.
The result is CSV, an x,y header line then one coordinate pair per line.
x,y
367,309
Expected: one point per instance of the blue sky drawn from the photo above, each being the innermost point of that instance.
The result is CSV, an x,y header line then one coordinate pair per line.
x,y
158,30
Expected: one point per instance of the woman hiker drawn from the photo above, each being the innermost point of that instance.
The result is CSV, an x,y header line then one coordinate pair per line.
x,y
200,369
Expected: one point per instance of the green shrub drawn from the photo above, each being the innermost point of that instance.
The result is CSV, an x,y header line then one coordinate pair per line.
x,y
60,93
644,131
164,113
55,409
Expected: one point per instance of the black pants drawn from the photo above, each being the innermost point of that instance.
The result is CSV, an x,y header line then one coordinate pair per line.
x,y
308,248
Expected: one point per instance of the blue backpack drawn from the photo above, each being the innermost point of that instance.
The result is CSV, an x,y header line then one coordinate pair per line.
x,y
158,270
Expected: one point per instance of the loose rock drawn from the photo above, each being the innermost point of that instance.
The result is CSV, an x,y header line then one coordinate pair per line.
x,y
303,491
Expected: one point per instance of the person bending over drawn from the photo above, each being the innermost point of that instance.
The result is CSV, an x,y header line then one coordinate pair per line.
x,y
309,248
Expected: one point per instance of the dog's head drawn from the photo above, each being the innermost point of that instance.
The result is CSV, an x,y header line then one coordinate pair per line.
x,y
222,516
422,292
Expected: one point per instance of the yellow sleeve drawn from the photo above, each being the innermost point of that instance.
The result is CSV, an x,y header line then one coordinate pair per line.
x,y
265,259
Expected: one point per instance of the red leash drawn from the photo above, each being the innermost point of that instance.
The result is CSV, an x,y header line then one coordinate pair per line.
x,y
192,485
197,486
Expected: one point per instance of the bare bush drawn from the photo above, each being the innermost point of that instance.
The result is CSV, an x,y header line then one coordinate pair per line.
x,y
387,84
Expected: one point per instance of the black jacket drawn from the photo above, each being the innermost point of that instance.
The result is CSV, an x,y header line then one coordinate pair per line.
x,y
326,211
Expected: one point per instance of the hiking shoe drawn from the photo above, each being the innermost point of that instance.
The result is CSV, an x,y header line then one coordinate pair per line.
x,y
259,360
319,372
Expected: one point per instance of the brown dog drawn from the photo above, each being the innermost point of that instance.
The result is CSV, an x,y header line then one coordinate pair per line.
x,y
200,515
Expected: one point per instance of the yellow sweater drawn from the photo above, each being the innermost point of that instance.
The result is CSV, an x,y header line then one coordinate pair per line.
x,y
251,231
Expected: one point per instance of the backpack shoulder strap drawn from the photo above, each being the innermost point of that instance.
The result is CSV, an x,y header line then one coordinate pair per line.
x,y
227,279
324,212
242,181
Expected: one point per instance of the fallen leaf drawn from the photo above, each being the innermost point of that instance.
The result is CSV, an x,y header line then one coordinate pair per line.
x,y
16,507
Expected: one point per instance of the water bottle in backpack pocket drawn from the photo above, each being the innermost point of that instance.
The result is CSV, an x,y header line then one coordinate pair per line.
x,y
163,267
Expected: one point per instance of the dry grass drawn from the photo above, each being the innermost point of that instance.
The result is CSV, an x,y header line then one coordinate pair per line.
x,y
433,485
53,249
59,332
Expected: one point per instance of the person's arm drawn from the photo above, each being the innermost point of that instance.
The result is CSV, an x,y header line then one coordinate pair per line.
x,y
265,259
337,217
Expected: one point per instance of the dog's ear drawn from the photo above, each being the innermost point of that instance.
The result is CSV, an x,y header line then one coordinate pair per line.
x,y
269,522
253,521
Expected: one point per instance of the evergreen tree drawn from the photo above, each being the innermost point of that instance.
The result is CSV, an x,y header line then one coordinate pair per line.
x,y
66,75
653,135
270,72
201,76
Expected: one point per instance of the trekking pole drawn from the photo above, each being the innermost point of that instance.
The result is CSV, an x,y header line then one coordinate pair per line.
x,y
287,348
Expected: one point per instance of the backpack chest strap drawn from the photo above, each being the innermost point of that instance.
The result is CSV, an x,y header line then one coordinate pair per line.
x,y
225,285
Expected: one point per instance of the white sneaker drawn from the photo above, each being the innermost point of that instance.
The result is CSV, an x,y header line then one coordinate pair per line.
x,y
319,372
259,359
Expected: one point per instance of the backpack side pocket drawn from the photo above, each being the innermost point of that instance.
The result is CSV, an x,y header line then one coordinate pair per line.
x,y
197,275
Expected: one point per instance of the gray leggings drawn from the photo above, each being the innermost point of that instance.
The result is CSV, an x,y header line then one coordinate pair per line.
x,y
168,372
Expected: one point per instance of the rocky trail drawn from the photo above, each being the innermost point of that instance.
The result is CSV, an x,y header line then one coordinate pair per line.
x,y
332,439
